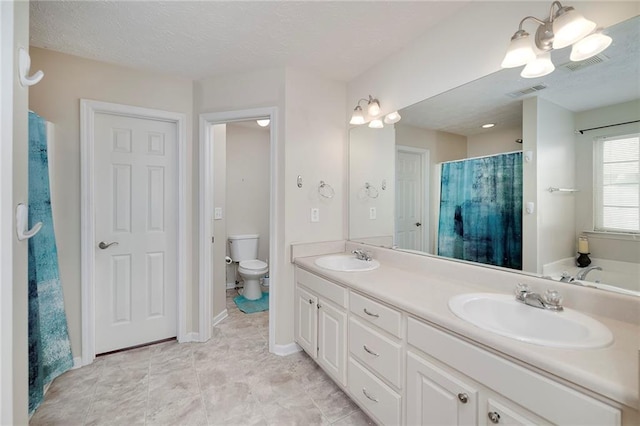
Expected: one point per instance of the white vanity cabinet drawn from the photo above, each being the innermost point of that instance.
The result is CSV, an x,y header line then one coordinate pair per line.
x,y
376,358
507,393
321,322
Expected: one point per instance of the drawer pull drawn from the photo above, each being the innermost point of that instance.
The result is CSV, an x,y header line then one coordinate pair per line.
x,y
463,397
370,314
364,391
494,417
370,351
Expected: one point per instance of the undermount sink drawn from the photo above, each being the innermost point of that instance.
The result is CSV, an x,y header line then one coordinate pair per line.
x,y
346,263
503,315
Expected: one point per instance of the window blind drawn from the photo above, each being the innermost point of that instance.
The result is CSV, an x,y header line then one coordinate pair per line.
x,y
617,184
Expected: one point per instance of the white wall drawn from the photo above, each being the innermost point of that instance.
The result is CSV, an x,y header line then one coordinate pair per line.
x,y
601,245
312,143
14,383
495,142
57,99
247,183
548,233
371,160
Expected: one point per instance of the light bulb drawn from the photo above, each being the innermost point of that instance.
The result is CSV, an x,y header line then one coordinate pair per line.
x,y
392,117
376,123
589,46
519,52
539,67
263,122
373,108
569,26
357,117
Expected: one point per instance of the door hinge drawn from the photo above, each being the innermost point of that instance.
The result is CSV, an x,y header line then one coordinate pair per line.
x,y
213,239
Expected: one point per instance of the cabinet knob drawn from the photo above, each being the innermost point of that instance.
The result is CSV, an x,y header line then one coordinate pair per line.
x,y
494,417
463,397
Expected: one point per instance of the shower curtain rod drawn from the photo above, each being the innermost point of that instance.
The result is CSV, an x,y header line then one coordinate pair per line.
x,y
604,127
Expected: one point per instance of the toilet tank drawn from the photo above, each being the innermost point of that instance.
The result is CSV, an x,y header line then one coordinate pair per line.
x,y
243,247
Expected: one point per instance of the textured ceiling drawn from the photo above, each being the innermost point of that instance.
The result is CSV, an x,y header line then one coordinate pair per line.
x,y
337,39
463,110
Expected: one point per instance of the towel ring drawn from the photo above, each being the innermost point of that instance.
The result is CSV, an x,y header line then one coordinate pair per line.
x,y
370,190
325,190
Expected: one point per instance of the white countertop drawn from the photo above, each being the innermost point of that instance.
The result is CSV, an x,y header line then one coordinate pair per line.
x,y
611,371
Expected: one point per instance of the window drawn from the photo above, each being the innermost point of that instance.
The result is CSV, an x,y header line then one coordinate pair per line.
x,y
617,184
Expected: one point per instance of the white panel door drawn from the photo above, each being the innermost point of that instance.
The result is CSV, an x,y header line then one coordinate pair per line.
x,y
409,200
136,207
306,321
332,341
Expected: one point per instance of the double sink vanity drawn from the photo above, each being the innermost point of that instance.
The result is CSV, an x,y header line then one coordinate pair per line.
x,y
421,340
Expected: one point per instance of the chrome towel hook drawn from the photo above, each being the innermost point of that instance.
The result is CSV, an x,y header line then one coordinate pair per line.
x,y
22,223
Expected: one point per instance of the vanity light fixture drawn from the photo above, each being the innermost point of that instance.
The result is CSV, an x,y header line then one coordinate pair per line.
x,y
376,123
263,122
564,27
373,109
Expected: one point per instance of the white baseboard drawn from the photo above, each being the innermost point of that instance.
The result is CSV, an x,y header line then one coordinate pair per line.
x,y
77,362
218,318
284,350
190,337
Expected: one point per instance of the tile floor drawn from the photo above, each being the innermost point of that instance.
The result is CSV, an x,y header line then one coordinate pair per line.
x,y
232,380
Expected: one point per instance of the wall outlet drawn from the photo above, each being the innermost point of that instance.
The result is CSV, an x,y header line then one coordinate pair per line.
x,y
315,214
372,213
217,213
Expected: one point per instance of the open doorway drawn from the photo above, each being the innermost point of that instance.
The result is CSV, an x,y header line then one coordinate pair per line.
x,y
231,206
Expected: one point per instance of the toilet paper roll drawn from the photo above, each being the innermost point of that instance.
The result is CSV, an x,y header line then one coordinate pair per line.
x,y
228,260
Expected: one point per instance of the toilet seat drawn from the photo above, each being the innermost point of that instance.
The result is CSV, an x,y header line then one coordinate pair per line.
x,y
253,267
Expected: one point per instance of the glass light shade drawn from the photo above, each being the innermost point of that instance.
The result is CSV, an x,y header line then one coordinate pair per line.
x,y
589,46
519,52
539,67
569,27
357,117
264,122
376,123
373,108
392,117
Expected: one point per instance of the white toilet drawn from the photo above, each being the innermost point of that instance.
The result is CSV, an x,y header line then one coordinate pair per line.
x,y
244,249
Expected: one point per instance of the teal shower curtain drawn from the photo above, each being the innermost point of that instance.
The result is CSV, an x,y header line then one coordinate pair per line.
x,y
481,210
49,346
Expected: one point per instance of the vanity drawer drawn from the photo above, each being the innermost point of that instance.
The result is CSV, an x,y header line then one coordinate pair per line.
x,y
376,313
377,352
554,402
376,397
322,287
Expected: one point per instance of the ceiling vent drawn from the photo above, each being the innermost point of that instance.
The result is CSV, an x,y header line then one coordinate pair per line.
x,y
528,90
577,66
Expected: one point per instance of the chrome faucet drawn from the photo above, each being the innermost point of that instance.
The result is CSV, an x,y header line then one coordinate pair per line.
x,y
551,299
583,273
362,254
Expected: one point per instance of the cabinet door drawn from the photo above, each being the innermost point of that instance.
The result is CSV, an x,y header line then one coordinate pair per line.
x,y
332,339
306,321
437,397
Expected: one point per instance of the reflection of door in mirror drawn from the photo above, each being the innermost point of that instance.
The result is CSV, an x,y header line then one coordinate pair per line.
x,y
412,198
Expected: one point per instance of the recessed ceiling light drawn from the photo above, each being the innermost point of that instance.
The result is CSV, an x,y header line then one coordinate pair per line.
x,y
263,122
488,125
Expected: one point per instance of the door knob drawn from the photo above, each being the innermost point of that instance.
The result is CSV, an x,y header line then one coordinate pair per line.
x,y
104,245
418,224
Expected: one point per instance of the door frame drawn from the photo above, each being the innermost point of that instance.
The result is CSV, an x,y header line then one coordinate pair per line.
x,y
426,178
88,110
206,196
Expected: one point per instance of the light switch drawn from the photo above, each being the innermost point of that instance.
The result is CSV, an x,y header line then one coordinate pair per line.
x,y
315,214
372,213
217,213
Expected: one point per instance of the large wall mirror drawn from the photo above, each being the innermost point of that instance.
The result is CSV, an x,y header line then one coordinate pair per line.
x,y
396,173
